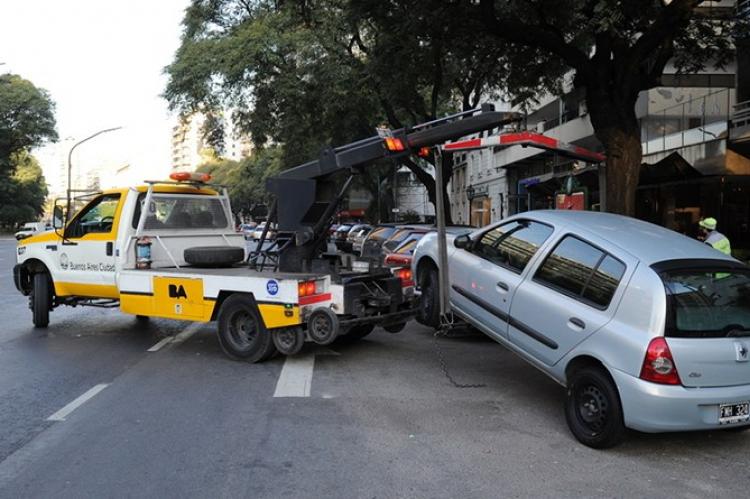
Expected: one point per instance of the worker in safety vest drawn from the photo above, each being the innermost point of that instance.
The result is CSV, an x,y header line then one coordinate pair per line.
x,y
714,238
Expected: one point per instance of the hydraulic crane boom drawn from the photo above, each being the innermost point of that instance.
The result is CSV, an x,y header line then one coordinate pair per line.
x,y
306,197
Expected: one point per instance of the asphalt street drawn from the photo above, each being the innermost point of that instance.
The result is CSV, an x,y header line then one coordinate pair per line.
x,y
381,420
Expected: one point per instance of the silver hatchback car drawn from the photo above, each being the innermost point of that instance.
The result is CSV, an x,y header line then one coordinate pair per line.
x,y
646,328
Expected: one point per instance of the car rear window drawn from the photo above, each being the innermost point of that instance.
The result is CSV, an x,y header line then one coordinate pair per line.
x,y
381,233
583,271
512,245
708,304
408,247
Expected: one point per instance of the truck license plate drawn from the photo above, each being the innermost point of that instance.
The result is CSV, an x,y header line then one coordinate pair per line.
x,y
734,413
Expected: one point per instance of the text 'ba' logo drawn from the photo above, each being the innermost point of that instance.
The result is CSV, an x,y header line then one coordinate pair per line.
x,y
176,291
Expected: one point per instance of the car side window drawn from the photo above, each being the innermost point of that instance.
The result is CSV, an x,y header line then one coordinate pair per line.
x,y
580,270
512,245
98,217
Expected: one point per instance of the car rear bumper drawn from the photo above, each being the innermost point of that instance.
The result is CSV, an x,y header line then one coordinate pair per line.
x,y
650,407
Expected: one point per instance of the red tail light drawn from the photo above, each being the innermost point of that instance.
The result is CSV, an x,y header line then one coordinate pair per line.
x,y
406,277
659,366
423,152
397,260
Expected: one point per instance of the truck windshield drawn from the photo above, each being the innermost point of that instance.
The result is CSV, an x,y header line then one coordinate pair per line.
x,y
182,211
708,304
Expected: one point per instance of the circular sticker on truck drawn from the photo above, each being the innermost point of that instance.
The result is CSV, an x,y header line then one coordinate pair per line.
x,y
272,286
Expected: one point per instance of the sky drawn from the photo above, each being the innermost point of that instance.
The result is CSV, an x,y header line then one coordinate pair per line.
x,y
102,62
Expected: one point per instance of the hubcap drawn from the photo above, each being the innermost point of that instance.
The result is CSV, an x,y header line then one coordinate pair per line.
x,y
242,330
593,407
286,339
321,327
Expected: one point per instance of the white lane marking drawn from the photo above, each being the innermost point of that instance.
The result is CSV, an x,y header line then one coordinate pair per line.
x,y
65,411
296,376
159,345
187,333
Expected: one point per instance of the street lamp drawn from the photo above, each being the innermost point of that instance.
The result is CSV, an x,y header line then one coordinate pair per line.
x,y
70,164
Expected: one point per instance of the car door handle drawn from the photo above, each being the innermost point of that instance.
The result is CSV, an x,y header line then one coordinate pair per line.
x,y
503,286
109,248
577,322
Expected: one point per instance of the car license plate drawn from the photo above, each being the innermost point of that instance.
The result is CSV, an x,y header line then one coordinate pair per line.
x,y
360,266
734,413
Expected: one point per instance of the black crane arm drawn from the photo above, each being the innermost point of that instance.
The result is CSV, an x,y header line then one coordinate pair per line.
x,y
306,199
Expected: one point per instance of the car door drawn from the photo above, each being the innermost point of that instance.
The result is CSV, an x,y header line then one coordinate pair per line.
x,y
484,276
570,295
86,256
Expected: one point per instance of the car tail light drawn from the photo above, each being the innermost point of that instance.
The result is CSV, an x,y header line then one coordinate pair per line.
x,y
659,366
397,260
405,276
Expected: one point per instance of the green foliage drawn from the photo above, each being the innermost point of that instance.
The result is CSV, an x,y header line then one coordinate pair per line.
x,y
22,192
26,118
246,179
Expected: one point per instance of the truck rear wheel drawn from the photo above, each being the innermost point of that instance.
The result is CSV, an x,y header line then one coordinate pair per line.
x,y
242,334
41,299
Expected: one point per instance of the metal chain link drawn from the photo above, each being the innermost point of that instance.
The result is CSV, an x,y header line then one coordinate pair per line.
x,y
446,325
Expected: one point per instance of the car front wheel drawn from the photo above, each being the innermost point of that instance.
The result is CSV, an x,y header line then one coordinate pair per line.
x,y
428,310
593,409
41,299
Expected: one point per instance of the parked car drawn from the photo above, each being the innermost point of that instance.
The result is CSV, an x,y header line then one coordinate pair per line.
x,y
401,237
646,328
357,231
339,237
29,229
372,244
248,229
258,231
359,239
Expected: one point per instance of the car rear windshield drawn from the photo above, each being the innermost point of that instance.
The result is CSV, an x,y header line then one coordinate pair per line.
x,y
182,211
708,304
381,233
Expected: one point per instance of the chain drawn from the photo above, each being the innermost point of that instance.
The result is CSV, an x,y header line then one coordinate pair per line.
x,y
446,325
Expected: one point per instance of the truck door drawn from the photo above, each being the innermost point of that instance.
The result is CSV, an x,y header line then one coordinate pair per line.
x,y
86,256
488,273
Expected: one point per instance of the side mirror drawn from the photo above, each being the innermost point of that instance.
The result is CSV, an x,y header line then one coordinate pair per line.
x,y
462,242
58,219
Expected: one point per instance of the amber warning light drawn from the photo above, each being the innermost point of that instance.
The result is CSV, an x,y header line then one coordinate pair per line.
x,y
190,177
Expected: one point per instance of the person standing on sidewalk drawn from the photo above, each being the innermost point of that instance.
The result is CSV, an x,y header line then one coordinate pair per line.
x,y
713,237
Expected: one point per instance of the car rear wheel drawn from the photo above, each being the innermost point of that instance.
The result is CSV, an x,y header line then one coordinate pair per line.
x,y
593,409
428,310
242,334
41,299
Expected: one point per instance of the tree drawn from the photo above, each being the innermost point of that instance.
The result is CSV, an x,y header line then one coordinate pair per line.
x,y
245,179
27,118
616,49
22,193
313,73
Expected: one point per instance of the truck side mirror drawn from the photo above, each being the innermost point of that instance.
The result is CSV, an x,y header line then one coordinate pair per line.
x,y
462,242
58,219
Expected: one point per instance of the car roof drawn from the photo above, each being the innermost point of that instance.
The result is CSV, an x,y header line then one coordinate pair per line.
x,y
648,242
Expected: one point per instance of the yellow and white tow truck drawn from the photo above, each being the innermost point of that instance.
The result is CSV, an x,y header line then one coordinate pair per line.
x,y
169,249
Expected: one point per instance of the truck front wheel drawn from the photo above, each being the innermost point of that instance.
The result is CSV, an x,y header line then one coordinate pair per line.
x,y
41,299
242,334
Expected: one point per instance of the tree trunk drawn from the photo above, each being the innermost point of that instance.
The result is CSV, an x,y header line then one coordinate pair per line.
x,y
429,183
623,166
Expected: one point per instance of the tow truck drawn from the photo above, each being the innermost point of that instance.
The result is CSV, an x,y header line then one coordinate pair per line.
x,y
168,249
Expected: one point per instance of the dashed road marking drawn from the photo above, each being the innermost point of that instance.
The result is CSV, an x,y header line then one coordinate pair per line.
x,y
75,404
158,346
296,376
187,333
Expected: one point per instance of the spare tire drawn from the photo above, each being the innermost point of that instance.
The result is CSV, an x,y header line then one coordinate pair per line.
x,y
214,256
